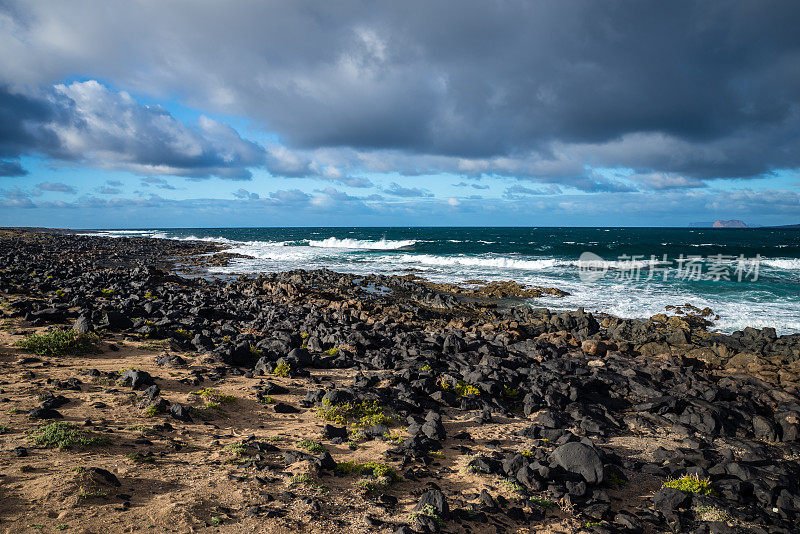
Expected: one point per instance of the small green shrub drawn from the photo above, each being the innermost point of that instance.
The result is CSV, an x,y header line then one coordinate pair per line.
x,y
209,410
311,446
691,484
139,458
63,436
60,342
711,513
510,393
463,389
159,344
185,334
542,502
394,437
372,486
513,486
149,295
107,292
151,411
282,369
237,449
426,367
332,351
362,414
615,480
376,469
213,396
91,494
303,479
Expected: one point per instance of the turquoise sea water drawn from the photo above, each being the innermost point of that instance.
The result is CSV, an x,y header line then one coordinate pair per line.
x,y
750,277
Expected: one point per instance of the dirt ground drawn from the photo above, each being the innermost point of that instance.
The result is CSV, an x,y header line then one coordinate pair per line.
x,y
187,479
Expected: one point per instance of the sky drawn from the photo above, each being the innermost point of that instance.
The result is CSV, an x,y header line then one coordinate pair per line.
x,y
194,113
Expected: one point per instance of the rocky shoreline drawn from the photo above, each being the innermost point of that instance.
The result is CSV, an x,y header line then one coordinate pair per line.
x,y
319,401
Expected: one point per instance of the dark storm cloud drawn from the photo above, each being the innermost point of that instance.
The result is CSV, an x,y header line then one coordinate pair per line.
x,y
22,120
534,90
88,123
11,168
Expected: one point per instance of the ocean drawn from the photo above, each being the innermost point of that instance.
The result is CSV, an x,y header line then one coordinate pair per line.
x,y
749,277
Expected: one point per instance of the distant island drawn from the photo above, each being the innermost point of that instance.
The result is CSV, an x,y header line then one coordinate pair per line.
x,y
733,223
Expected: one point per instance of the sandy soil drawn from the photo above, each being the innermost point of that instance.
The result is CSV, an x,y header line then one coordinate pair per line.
x,y
193,483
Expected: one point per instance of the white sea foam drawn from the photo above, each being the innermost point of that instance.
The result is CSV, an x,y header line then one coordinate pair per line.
x,y
362,244
636,301
476,261
119,233
788,264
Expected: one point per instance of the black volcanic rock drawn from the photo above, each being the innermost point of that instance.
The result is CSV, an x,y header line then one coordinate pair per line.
x,y
581,459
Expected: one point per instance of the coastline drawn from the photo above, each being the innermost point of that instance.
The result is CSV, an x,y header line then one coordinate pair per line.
x,y
466,380
758,291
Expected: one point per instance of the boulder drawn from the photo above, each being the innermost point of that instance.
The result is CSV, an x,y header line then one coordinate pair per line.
x,y
116,320
180,412
582,459
135,378
433,500
83,325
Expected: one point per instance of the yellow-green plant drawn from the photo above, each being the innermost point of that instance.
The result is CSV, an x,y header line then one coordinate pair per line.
x,y
213,396
237,449
282,369
60,342
311,445
362,414
376,469
62,435
463,389
183,333
691,484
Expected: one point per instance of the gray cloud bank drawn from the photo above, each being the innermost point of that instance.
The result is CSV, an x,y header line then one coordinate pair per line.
x,y
681,92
